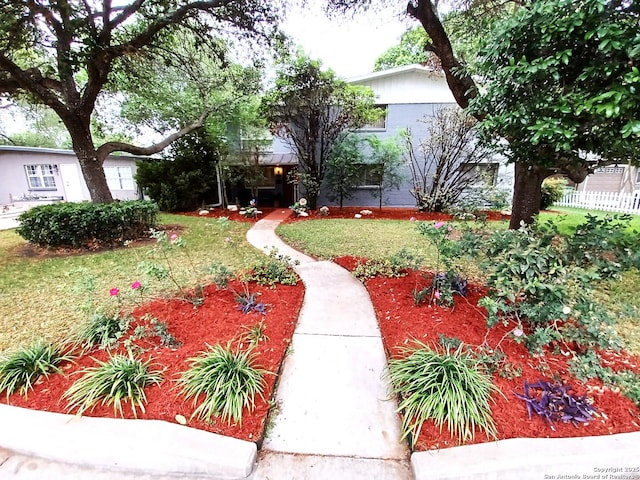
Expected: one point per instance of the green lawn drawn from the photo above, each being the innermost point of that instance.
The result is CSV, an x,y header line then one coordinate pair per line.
x,y
49,296
566,218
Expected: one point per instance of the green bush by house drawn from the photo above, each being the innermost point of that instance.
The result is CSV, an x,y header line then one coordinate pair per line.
x,y
80,225
552,192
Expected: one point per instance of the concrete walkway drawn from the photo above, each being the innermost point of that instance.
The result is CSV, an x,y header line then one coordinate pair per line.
x,y
335,418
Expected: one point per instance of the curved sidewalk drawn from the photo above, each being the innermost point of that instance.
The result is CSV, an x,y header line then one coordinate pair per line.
x,y
334,415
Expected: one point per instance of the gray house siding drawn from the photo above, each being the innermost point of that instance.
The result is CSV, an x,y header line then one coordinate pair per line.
x,y
28,174
399,117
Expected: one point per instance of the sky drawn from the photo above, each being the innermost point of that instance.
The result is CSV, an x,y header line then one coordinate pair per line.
x,y
349,46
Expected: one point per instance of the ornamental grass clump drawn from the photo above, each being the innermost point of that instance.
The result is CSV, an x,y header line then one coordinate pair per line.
x,y
102,330
120,379
20,371
227,381
444,387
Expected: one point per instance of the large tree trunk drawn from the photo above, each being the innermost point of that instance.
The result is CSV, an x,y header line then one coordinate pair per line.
x,y
527,193
94,177
91,166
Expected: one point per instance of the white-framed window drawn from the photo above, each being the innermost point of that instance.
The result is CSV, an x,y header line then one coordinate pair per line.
x,y
381,123
638,176
41,176
367,176
615,170
119,178
484,173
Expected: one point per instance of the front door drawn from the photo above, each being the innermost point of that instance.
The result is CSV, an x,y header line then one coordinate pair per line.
x,y
71,181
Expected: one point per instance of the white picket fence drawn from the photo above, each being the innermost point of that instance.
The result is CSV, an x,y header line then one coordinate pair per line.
x,y
607,201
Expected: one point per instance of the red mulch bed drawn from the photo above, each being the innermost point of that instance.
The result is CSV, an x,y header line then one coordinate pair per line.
x,y
401,321
386,213
217,321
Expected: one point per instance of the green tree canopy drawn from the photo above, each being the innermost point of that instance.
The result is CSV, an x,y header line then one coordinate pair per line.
x,y
343,168
62,55
563,76
411,49
310,109
561,85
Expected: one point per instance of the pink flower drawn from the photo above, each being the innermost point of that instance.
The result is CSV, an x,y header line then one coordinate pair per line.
x,y
114,292
173,238
136,285
517,332
412,219
436,294
438,225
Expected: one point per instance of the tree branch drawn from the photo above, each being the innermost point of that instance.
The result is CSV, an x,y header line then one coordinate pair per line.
x,y
145,37
461,84
31,80
105,150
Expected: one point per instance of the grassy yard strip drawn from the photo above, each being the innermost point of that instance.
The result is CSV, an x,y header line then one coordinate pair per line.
x,y
567,217
49,296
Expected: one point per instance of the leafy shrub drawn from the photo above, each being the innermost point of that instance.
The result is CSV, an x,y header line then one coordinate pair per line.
x,y
102,330
220,274
605,243
588,365
532,283
552,191
377,268
446,387
441,290
161,330
20,371
120,379
186,178
555,402
392,267
83,225
273,269
227,380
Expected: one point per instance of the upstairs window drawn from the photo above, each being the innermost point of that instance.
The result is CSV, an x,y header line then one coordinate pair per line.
x,y
381,123
615,170
41,177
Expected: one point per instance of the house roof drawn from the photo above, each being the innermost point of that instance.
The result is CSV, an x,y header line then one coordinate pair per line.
x,y
409,84
273,159
413,68
266,159
57,151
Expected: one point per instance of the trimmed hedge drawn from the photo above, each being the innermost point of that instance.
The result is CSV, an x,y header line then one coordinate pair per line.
x,y
82,225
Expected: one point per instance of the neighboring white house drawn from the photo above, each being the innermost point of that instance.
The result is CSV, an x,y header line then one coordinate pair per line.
x,y
612,178
29,174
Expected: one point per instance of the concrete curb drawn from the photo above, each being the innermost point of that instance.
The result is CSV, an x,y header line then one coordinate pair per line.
x,y
604,457
145,446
